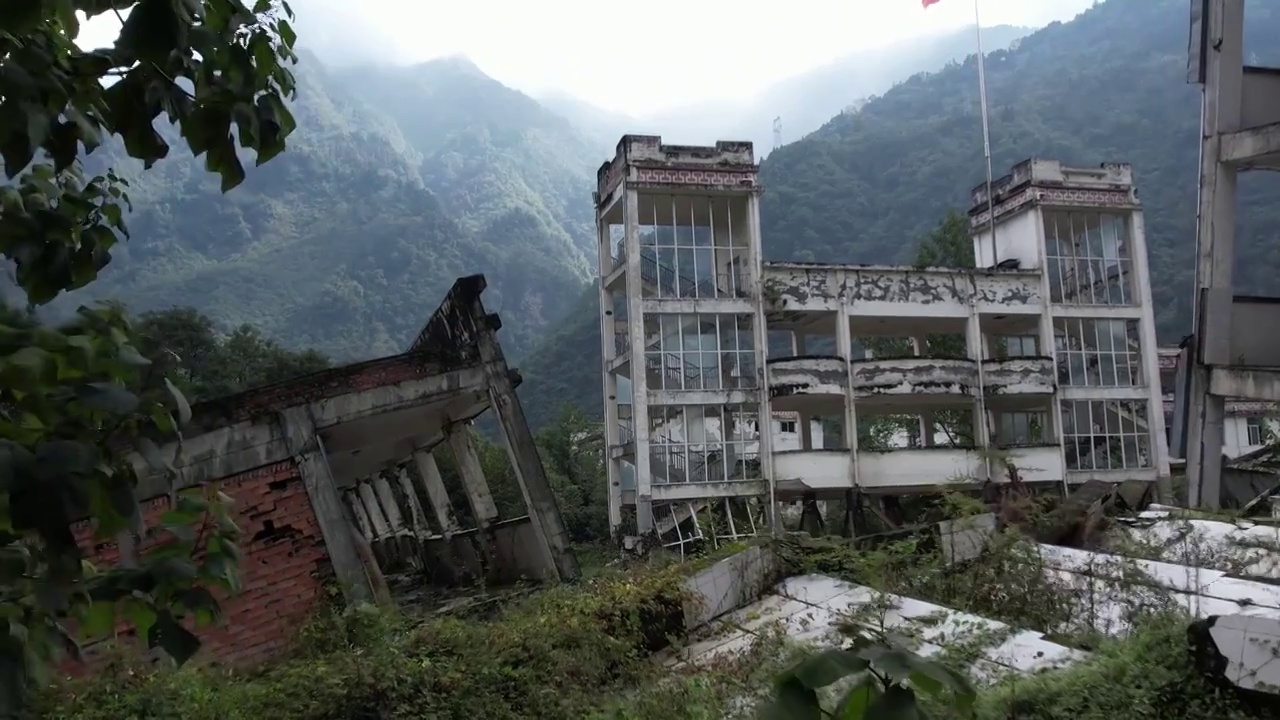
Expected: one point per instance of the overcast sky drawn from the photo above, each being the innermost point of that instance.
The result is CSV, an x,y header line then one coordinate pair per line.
x,y
635,57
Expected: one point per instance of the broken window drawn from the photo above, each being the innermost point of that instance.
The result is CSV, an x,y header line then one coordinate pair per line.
x,y
1106,434
1020,429
1254,429
693,247
699,352
1088,258
702,443
1012,346
1096,352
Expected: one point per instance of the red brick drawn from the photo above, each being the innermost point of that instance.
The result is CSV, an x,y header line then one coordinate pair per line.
x,y
280,585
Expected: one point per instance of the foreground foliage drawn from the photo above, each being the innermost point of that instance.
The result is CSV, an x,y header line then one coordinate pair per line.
x,y
560,654
79,402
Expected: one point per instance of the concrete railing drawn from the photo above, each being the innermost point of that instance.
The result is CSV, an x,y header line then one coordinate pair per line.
x,y
914,376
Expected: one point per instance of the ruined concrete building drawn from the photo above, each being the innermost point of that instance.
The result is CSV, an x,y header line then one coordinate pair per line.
x,y
1247,425
1226,360
1042,362
334,478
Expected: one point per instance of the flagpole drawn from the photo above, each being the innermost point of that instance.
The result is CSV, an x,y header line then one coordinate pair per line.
x,y
986,132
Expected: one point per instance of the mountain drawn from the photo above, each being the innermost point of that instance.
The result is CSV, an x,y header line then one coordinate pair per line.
x,y
1108,86
396,181
804,102
602,127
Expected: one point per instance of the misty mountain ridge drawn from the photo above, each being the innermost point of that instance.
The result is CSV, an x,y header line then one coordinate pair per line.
x,y
396,181
805,101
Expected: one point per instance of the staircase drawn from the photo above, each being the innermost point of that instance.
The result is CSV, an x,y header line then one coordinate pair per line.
x,y
669,283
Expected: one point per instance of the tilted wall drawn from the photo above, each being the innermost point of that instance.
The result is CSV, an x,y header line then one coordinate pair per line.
x,y
282,571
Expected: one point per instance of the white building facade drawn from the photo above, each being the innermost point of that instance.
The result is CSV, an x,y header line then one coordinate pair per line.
x,y
1043,366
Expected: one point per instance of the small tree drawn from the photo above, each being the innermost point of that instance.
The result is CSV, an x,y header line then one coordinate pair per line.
x,y
79,402
880,679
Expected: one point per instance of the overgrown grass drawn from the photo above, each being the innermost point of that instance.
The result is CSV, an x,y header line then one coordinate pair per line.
x,y
558,654
1148,674
585,652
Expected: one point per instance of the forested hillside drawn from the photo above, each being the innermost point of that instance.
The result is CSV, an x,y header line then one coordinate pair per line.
x,y
1108,86
396,182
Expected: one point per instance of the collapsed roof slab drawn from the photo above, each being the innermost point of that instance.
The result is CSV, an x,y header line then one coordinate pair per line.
x,y
342,424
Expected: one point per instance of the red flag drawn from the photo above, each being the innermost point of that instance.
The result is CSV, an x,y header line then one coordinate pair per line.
x,y
927,3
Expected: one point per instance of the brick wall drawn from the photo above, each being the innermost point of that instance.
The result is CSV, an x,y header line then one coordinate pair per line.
x,y
282,571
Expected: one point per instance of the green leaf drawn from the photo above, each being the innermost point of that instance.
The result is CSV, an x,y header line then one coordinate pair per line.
x,y
109,397
827,667
286,33
140,614
178,642
99,619
151,453
152,31
20,16
201,603
854,704
792,701
29,358
129,355
180,402
897,703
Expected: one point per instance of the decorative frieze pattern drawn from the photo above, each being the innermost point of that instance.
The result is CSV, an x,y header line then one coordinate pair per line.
x,y
1058,197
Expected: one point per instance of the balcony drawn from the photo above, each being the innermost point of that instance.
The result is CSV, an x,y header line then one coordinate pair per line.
x,y
797,472
809,375
1035,463
906,378
900,291
922,469
915,469
1019,376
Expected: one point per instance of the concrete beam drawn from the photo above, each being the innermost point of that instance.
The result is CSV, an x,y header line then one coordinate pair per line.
x,y
250,444
681,492
1247,383
1255,146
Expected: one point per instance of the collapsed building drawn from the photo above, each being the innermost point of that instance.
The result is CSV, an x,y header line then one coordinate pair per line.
x,y
334,479
1045,353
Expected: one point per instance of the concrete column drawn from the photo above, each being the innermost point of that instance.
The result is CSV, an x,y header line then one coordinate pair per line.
x,y
463,444
377,519
1140,283
844,348
613,471
523,451
981,424
798,343
639,380
765,411
920,346
387,499
363,523
803,423
417,518
359,577
433,485
1215,248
